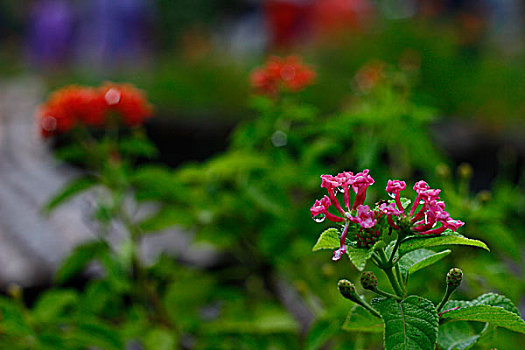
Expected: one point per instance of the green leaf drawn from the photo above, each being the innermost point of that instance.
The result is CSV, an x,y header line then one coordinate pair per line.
x,y
411,324
265,322
160,339
490,299
329,239
405,202
53,304
458,335
322,332
417,242
359,256
13,319
91,332
79,258
165,218
360,320
68,191
138,146
419,259
494,315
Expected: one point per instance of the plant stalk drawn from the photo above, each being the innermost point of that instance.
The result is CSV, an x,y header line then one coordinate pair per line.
x,y
447,295
387,268
385,294
369,307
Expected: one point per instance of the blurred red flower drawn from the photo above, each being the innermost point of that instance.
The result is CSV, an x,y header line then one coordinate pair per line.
x,y
67,107
288,73
79,105
128,102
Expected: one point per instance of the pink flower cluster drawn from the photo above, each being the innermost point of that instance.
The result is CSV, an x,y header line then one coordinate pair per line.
x,y
431,209
427,215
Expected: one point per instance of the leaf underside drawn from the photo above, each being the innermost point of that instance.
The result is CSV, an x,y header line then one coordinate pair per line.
x,y
494,315
459,335
360,320
492,308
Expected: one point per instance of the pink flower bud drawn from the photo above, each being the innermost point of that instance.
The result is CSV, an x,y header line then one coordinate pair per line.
x,y
365,217
395,186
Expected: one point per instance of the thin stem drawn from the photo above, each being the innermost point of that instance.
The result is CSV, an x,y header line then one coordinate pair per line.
x,y
447,295
385,294
393,281
387,268
394,251
400,278
377,261
383,258
369,307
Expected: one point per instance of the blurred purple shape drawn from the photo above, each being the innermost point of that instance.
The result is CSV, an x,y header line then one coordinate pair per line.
x,y
50,31
114,32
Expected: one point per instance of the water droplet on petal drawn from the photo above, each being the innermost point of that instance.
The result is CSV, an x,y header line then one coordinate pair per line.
x,y
421,202
49,123
319,217
391,195
112,96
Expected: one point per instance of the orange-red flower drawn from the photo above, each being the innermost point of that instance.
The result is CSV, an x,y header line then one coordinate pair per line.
x,y
128,102
67,107
79,105
288,73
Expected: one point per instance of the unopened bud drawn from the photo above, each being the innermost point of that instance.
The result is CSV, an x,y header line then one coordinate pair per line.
x,y
454,278
484,196
14,291
369,280
465,170
443,170
347,289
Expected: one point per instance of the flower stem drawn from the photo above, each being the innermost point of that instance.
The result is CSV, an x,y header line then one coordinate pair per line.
x,y
387,268
400,278
385,294
394,251
369,307
447,295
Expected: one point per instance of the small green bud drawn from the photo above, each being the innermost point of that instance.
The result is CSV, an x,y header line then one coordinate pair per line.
x,y
15,291
369,280
443,170
465,170
347,289
484,196
454,278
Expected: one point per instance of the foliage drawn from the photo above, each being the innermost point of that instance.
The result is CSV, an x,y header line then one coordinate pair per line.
x,y
267,290
410,322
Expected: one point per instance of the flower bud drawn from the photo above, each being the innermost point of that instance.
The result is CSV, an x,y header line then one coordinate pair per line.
x,y
14,291
465,170
484,196
443,170
369,280
454,278
347,289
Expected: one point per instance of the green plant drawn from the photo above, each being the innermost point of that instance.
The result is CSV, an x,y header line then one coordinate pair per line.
x,y
409,321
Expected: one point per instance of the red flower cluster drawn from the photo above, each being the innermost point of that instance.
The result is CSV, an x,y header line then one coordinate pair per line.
x,y
79,105
287,73
427,215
